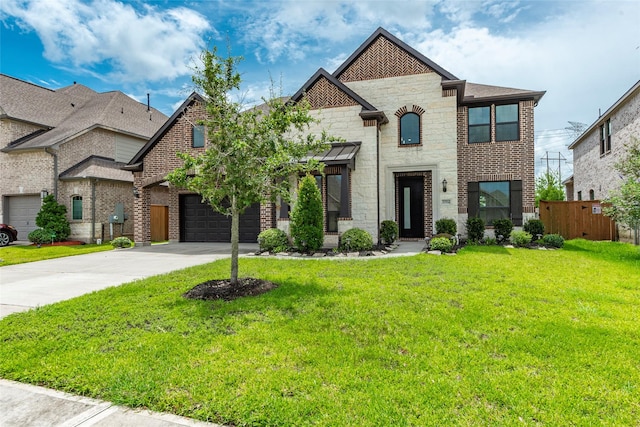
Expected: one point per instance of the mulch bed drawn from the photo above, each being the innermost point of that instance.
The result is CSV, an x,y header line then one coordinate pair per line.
x,y
224,290
65,243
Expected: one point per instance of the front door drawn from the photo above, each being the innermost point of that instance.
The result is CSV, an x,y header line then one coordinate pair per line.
x,y
411,198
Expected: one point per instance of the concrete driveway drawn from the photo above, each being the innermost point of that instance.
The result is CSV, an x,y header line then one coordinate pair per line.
x,y
25,286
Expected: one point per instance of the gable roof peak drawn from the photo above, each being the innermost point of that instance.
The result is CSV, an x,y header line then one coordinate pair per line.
x,y
382,33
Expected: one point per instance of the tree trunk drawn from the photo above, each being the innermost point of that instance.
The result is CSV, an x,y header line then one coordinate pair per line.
x,y
235,237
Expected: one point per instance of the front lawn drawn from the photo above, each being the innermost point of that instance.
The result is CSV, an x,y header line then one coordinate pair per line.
x,y
14,254
492,336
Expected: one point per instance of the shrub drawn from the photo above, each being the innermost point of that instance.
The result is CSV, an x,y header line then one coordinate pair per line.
x,y
553,240
121,242
490,241
388,231
356,239
446,225
53,218
502,227
441,244
475,229
520,238
273,240
535,227
307,230
39,236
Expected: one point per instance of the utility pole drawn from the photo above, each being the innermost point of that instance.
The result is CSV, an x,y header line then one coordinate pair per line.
x,y
553,159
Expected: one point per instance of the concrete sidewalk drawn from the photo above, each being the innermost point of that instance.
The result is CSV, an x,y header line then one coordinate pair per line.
x,y
23,405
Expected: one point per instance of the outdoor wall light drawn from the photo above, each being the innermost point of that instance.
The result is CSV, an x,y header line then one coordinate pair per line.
x,y
136,193
444,185
44,193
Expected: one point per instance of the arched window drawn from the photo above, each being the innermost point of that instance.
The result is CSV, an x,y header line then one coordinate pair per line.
x,y
410,129
76,207
592,195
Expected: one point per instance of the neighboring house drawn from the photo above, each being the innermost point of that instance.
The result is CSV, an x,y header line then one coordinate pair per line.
x,y
71,142
420,145
601,146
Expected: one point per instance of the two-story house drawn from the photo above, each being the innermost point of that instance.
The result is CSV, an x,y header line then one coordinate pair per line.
x,y
420,144
601,146
71,142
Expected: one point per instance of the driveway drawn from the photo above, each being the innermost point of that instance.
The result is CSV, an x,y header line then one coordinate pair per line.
x,y
25,286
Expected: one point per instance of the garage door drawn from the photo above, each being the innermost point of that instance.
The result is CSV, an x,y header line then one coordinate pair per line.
x,y
22,214
199,222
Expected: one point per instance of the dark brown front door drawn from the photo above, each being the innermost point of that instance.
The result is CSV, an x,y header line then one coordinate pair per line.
x,y
411,200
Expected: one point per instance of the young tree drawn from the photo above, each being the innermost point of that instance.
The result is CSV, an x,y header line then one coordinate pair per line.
x,y
306,217
250,152
625,201
52,218
548,187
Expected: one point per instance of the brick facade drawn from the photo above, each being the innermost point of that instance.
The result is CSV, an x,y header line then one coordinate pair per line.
x,y
497,161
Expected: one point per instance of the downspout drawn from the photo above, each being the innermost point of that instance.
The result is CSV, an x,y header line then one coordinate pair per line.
x,y
55,171
378,177
93,210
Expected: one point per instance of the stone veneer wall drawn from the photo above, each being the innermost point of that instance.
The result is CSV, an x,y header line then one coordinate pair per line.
x,y
592,171
437,152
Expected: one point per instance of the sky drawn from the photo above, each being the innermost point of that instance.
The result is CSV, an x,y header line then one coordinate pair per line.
x,y
584,54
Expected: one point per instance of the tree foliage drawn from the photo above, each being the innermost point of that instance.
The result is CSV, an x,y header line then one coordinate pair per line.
x,y
625,201
307,229
548,187
250,153
52,217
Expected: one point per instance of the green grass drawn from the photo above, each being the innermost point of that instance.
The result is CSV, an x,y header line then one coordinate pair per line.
x,y
492,336
14,254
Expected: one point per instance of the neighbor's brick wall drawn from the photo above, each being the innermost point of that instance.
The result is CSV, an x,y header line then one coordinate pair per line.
x,y
497,161
108,194
591,171
13,165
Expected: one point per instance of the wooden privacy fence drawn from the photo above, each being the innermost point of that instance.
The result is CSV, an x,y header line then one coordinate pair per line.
x,y
159,223
579,219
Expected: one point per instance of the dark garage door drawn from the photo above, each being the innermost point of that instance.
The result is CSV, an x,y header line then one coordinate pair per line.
x,y
199,222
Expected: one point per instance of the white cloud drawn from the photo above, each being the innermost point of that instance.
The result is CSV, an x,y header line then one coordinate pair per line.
x,y
150,44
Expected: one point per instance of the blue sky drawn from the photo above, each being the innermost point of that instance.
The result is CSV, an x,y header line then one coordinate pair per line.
x,y
585,54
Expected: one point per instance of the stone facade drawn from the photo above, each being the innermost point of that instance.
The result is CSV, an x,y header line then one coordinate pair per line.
x,y
594,172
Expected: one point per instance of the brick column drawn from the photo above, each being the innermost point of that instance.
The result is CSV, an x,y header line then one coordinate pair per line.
x,y
141,213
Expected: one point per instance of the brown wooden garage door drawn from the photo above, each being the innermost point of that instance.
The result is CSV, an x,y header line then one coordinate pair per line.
x,y
199,222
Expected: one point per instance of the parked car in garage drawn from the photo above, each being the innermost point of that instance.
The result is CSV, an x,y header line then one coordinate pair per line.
x,y
8,234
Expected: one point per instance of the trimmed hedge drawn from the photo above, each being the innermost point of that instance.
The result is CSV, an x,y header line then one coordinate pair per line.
x,y
273,240
356,239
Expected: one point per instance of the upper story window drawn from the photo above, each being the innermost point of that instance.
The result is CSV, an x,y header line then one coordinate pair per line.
x,y
602,142
480,124
507,128
608,136
198,136
410,129
76,208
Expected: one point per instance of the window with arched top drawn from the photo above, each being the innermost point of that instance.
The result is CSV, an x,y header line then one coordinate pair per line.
x,y
410,129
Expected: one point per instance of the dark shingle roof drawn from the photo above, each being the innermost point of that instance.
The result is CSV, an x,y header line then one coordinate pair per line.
x,y
71,111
